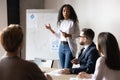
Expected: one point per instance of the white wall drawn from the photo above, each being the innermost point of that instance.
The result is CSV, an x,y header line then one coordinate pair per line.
x,y
3,14
3,20
100,15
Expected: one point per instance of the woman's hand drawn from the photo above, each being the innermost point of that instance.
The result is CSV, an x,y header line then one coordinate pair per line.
x,y
66,35
48,76
64,71
84,75
48,26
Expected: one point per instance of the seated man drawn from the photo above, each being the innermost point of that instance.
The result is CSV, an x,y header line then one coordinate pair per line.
x,y
88,55
12,67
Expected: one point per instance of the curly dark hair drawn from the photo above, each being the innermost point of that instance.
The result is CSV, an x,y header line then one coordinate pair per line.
x,y
73,15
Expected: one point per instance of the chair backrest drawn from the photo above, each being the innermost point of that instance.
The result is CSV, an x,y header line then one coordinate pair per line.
x,y
43,62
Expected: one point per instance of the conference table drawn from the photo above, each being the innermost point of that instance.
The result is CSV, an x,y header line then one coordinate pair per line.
x,y
57,76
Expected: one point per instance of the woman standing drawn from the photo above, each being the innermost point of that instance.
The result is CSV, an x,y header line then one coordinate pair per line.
x,y
67,33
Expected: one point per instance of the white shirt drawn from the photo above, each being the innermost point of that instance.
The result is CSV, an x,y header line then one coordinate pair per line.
x,y
65,25
102,72
85,48
72,28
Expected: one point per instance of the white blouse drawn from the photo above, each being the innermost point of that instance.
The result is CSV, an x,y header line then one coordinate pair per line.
x,y
72,28
102,72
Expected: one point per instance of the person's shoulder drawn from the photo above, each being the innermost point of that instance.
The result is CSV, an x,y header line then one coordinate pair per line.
x,y
93,50
34,70
24,62
101,60
30,63
93,44
93,47
71,21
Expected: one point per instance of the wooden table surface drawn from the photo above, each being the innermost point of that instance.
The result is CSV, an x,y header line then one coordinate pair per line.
x,y
56,76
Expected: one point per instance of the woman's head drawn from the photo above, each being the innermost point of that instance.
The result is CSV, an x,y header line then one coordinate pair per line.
x,y
108,46
67,12
11,37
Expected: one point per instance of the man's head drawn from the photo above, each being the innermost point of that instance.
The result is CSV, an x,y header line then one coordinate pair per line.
x,y
11,37
86,36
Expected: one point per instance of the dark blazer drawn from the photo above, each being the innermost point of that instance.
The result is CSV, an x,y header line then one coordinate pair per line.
x,y
87,60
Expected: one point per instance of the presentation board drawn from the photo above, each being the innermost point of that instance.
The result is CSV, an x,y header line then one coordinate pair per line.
x,y
40,42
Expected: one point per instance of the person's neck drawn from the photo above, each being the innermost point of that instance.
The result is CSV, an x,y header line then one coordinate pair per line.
x,y
12,54
89,43
66,18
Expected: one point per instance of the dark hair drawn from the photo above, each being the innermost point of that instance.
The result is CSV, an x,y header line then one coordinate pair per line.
x,y
73,15
108,45
12,37
89,33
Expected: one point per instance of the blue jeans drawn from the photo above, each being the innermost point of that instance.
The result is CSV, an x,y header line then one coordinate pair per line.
x,y
65,56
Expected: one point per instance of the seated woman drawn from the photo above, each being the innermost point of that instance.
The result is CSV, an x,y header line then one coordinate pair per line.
x,y
108,65
12,67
